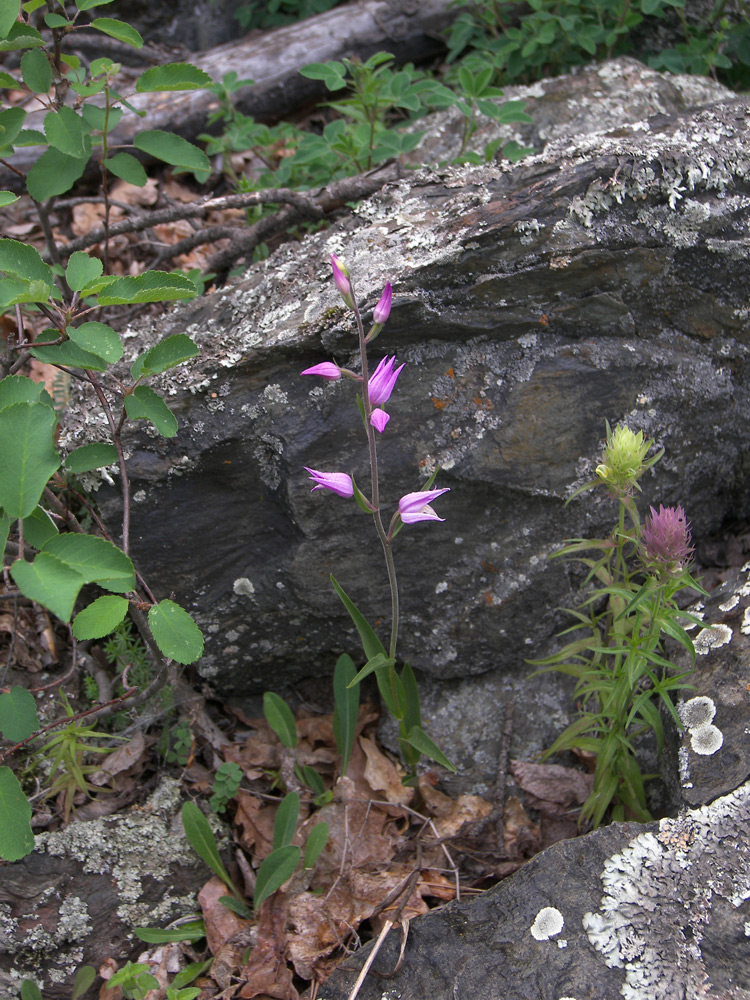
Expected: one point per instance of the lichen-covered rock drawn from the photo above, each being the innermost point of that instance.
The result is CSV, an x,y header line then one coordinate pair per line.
x,y
645,913
76,899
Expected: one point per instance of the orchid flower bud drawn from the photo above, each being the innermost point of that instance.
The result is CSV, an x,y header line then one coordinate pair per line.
x,y
326,369
337,482
382,310
415,507
383,380
341,278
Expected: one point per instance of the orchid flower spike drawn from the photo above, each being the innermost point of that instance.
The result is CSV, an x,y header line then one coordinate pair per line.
x,y
383,380
326,369
341,278
415,507
337,482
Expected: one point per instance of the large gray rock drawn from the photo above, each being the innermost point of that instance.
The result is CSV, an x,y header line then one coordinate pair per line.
x,y
604,277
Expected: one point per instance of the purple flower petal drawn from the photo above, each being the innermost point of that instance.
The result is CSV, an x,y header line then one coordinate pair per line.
x,y
337,482
379,418
382,310
666,537
383,380
415,507
326,369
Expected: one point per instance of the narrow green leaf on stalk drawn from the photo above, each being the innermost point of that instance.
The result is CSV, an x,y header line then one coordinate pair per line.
x,y
274,871
412,711
83,981
191,930
191,972
166,354
30,990
285,823
91,456
201,838
419,739
280,718
118,29
175,632
370,642
16,838
312,779
236,906
347,708
316,841
100,618
18,717
172,76
378,662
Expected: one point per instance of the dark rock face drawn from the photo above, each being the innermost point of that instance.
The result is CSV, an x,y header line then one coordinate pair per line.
x,y
604,277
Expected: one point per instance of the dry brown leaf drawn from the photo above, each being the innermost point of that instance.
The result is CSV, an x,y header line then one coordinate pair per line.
x,y
552,786
520,833
259,751
86,217
266,972
133,755
382,775
222,925
131,194
256,822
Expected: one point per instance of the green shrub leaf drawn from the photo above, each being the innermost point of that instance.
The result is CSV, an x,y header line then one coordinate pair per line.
x,y
82,270
333,74
67,131
173,149
18,718
119,30
48,581
99,339
27,455
23,261
54,173
9,11
91,456
20,389
127,168
175,632
7,198
145,404
151,286
70,354
36,71
100,618
11,122
169,352
21,36
95,559
172,76
16,838
97,118
274,872
285,823
38,528
280,718
316,841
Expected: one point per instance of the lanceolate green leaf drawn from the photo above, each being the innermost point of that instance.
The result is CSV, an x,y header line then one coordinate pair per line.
x,y
419,739
172,76
285,823
167,354
347,706
145,404
316,841
378,662
16,838
18,718
280,718
175,632
273,873
201,839
173,149
191,930
83,981
27,455
370,642
100,618
30,990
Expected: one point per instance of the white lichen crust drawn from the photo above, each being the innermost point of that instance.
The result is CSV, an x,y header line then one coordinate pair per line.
x,y
658,899
547,923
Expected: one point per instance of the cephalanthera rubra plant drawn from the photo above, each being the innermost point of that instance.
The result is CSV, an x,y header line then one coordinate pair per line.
x,y
397,689
630,606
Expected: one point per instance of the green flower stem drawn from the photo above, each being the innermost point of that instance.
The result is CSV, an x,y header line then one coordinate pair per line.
x,y
376,517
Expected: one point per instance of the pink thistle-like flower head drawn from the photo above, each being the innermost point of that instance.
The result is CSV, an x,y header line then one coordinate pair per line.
x,y
415,507
337,482
383,380
382,310
666,538
326,369
379,418
341,278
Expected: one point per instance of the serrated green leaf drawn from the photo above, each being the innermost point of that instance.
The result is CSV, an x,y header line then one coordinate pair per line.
x,y
56,21
91,456
18,718
99,118
201,838
21,36
83,981
70,354
82,270
38,528
347,707
285,822
31,137
100,618
16,838
118,29
280,718
151,286
20,389
316,841
8,81
36,71
67,132
27,455
9,10
172,76
7,198
167,354
419,739
54,173
145,404
127,168
99,339
191,930
173,149
11,123
175,632
273,873
24,261
95,559
48,581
